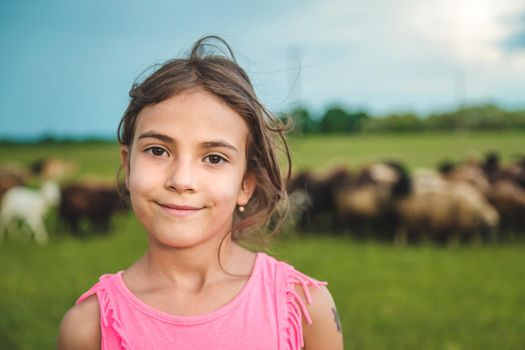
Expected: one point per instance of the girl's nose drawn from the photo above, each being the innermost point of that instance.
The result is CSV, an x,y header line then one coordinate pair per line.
x,y
181,177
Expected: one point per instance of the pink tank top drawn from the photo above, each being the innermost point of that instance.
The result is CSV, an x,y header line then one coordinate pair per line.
x,y
266,314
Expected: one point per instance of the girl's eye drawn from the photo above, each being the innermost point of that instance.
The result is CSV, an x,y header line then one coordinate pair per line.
x,y
156,151
215,159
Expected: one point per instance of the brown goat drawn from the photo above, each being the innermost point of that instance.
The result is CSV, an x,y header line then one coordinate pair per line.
x,y
52,168
94,202
10,177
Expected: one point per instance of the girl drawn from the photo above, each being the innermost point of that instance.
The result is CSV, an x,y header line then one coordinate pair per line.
x,y
199,162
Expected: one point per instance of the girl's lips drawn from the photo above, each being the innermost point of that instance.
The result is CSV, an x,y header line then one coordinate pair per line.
x,y
180,210
179,207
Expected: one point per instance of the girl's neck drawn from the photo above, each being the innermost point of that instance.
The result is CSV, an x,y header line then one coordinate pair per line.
x,y
194,268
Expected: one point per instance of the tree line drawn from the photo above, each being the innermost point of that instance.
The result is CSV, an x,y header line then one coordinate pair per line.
x,y
337,119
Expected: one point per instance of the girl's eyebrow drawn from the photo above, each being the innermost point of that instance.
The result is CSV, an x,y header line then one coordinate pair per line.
x,y
219,143
207,144
156,135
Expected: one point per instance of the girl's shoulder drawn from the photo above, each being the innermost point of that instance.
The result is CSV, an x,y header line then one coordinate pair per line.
x,y
311,315
324,330
287,274
80,327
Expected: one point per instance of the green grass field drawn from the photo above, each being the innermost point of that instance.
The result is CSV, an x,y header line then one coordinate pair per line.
x,y
417,150
418,297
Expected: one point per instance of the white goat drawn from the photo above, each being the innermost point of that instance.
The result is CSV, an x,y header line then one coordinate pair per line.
x,y
30,206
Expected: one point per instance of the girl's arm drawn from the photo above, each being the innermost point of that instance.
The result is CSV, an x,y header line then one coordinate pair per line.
x,y
325,332
80,327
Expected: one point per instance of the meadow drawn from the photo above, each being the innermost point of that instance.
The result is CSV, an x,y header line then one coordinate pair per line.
x,y
416,297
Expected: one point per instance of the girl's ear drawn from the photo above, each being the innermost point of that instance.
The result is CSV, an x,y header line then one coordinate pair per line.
x,y
248,187
124,161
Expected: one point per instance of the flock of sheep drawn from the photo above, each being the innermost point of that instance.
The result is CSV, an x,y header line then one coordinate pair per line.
x,y
470,201
24,209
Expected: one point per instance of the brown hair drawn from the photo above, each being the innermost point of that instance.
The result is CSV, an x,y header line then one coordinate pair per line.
x,y
221,76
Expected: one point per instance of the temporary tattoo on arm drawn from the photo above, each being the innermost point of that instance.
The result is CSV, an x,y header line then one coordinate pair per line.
x,y
336,319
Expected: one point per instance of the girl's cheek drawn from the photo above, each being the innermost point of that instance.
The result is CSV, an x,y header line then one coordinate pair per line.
x,y
142,179
230,191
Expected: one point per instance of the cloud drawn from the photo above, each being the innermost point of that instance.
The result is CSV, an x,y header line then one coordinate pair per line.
x,y
515,41
390,55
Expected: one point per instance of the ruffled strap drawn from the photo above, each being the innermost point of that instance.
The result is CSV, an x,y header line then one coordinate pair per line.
x,y
110,324
295,306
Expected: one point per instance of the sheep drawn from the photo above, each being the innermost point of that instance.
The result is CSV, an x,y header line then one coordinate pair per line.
x,y
509,200
368,193
514,172
317,202
501,187
469,173
385,199
364,205
92,201
30,206
443,208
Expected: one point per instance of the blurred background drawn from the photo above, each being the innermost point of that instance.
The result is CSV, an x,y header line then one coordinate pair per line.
x,y
408,186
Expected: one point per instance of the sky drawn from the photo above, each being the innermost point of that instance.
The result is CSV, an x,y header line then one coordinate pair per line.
x,y
66,67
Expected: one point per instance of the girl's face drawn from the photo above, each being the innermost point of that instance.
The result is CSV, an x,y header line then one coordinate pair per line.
x,y
185,170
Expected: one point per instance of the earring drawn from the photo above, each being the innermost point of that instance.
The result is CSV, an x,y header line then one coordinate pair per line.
x,y
240,208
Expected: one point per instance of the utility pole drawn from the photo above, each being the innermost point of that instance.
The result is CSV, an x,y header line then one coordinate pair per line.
x,y
460,88
294,58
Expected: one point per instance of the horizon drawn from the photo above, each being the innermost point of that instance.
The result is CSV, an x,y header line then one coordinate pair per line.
x,y
49,137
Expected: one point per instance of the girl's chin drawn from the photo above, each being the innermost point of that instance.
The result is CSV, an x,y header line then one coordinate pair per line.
x,y
180,240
